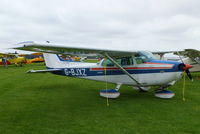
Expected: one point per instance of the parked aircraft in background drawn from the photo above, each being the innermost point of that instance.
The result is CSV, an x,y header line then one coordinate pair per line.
x,y
136,68
188,56
12,59
34,58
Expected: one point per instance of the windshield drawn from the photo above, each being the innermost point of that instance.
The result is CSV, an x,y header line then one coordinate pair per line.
x,y
138,58
145,55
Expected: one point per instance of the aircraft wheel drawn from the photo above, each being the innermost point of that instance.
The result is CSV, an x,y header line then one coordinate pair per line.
x,y
164,94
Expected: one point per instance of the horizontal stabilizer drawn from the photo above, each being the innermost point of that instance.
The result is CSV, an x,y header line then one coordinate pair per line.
x,y
43,71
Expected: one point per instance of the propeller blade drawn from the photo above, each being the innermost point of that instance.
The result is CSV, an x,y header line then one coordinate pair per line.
x,y
189,74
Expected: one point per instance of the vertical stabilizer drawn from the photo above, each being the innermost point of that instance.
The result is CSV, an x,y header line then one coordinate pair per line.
x,y
52,60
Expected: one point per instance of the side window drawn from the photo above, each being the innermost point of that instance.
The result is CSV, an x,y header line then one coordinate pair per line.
x,y
119,61
139,60
124,61
107,62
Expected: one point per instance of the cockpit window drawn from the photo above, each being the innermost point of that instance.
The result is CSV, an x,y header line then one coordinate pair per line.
x,y
124,61
138,58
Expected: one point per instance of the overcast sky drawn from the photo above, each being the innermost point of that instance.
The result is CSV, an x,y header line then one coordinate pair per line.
x,y
119,24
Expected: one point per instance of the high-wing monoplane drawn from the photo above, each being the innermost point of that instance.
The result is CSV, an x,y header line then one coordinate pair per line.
x,y
188,56
136,68
12,59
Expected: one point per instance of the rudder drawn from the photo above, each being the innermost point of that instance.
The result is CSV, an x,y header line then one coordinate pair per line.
x,y
52,60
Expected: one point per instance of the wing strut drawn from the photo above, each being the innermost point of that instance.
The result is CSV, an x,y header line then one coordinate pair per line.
x,y
110,58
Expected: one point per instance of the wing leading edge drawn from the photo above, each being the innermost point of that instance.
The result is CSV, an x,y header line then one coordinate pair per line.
x,y
62,49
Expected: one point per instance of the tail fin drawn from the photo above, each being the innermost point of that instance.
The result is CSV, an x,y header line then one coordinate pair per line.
x,y
52,60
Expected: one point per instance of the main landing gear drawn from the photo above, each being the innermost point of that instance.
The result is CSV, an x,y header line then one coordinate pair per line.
x,y
159,93
111,93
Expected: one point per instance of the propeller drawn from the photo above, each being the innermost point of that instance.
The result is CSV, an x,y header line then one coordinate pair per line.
x,y
185,68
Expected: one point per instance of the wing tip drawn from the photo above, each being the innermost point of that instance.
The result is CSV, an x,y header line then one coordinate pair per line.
x,y
25,42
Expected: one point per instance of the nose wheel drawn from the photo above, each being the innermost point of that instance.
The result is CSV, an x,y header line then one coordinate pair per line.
x,y
164,94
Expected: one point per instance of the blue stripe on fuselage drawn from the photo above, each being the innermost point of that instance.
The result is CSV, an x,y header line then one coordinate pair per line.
x,y
83,72
165,62
87,72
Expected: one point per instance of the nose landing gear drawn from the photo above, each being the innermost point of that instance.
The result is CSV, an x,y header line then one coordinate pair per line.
x,y
164,94
111,93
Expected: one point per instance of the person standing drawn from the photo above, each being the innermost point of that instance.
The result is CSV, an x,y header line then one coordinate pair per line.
x,y
4,62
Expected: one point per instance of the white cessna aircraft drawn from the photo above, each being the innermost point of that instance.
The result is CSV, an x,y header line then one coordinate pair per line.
x,y
137,68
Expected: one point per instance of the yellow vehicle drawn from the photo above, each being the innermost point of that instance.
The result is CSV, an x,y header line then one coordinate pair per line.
x,y
12,59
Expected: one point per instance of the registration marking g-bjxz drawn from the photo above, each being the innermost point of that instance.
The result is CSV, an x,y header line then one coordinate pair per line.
x,y
75,71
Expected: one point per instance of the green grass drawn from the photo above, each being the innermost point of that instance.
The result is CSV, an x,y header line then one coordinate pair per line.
x,y
91,60
51,104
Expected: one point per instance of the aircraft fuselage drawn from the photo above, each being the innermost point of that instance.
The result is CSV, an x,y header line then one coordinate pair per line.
x,y
154,72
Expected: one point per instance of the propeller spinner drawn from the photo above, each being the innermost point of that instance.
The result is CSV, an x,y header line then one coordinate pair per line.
x,y
186,67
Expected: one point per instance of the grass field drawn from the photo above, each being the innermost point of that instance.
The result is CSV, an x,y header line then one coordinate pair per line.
x,y
50,104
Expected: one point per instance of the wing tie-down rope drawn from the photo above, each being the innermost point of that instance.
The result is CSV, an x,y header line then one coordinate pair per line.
x,y
105,77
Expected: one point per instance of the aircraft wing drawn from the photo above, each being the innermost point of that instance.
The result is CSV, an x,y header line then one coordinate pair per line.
x,y
61,49
70,50
7,55
44,71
